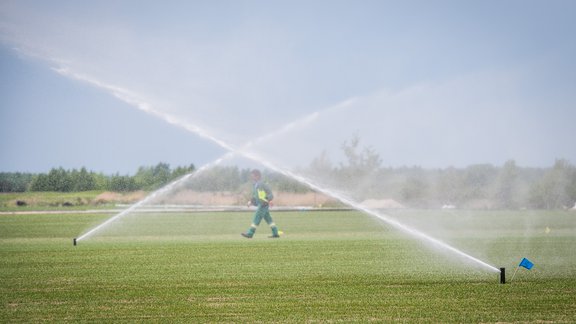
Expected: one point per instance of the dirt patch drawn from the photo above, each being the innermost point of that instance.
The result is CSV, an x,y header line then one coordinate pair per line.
x,y
224,198
382,204
311,199
189,197
119,198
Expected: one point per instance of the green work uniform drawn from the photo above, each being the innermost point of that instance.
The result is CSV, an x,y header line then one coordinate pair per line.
x,y
261,197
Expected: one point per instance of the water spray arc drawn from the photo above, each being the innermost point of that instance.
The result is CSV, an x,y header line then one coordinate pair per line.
x,y
350,202
154,195
288,127
148,198
135,101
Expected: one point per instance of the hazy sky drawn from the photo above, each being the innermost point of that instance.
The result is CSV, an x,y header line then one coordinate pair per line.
x,y
114,85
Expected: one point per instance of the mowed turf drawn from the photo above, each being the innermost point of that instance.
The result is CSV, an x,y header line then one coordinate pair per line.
x,y
338,266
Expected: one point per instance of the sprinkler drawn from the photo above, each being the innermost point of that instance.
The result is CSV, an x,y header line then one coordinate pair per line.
x,y
74,241
502,275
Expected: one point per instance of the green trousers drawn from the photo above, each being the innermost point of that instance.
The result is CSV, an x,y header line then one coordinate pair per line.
x,y
262,212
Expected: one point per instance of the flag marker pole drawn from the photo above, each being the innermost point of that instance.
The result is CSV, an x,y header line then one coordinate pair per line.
x,y
517,267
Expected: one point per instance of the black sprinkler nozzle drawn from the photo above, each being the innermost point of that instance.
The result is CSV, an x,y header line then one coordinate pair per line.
x,y
502,275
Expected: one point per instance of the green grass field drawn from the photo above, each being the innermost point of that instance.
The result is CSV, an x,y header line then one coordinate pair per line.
x,y
329,267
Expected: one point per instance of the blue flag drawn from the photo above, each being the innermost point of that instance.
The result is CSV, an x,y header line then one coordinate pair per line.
x,y
526,264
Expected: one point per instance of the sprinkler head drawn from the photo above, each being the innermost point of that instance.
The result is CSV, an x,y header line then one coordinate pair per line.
x,y
502,275
74,241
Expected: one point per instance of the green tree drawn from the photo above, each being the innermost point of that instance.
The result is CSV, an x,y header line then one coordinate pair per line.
x,y
120,183
321,166
283,183
56,180
40,183
100,181
161,174
478,181
150,178
506,186
449,184
83,180
60,180
15,182
219,178
181,171
357,175
144,177
415,189
556,188
360,161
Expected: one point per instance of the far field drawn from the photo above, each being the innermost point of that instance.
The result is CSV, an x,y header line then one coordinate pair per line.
x,y
339,266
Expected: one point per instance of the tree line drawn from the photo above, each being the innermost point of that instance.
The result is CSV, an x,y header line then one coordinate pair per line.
x,y
360,176
61,180
481,186
147,178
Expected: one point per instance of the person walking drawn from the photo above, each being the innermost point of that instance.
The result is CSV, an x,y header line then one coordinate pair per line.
x,y
261,198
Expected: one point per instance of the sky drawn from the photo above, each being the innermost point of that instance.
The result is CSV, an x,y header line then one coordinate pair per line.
x,y
115,85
